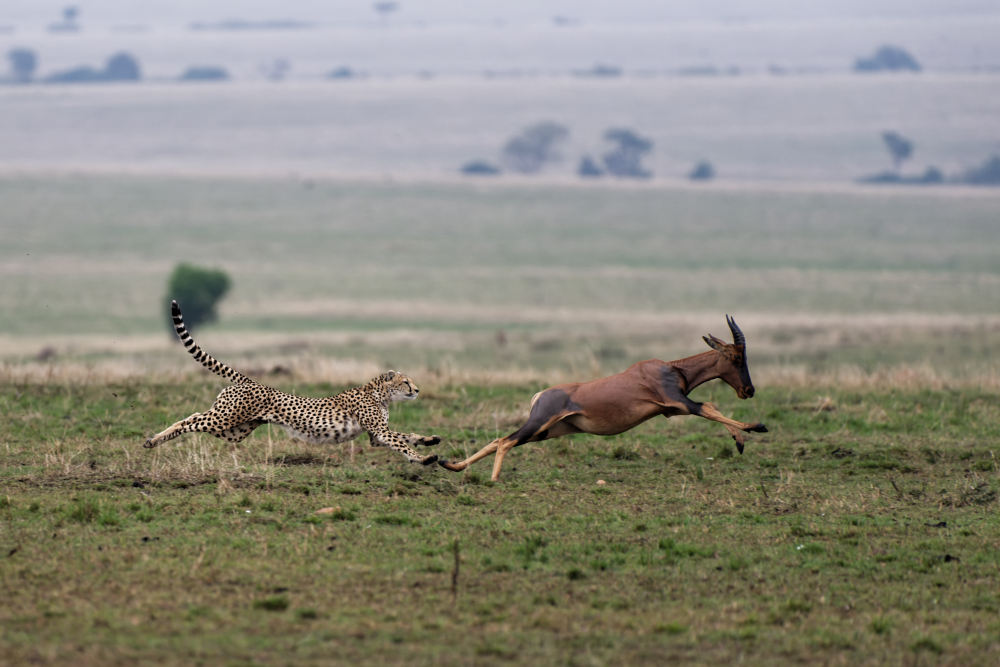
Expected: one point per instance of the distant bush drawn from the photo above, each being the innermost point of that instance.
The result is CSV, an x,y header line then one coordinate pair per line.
x,y
931,176
589,168
122,67
888,58
205,73
68,23
709,70
625,160
479,168
601,70
881,178
703,171
22,64
988,173
119,67
342,72
529,151
82,74
276,70
198,291
900,148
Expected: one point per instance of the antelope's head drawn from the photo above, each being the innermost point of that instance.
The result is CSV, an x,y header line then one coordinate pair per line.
x,y
733,367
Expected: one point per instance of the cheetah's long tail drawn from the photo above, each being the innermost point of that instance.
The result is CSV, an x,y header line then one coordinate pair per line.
x,y
204,358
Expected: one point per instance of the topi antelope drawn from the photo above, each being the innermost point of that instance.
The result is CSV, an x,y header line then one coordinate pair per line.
x,y
614,404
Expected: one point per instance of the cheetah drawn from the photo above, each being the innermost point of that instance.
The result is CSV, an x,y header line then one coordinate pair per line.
x,y
246,404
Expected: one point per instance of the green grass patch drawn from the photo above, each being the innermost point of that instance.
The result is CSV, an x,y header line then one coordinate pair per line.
x,y
796,550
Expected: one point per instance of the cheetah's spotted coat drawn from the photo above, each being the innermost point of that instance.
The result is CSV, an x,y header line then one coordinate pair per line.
x,y
246,404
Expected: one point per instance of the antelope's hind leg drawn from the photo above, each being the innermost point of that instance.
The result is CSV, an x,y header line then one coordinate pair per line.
x,y
548,409
462,465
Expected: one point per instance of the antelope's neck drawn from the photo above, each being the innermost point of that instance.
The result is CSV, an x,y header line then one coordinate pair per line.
x,y
696,370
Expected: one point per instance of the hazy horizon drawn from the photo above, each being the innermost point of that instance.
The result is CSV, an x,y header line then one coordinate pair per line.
x,y
765,92
100,11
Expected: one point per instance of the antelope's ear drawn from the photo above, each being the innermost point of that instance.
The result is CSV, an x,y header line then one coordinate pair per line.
x,y
715,343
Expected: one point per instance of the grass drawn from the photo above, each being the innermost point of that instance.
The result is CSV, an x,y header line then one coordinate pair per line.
x,y
862,527
368,256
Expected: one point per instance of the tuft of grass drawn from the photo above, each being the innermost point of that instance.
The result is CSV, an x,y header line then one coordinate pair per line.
x,y
881,625
272,603
86,509
672,628
395,520
928,644
674,551
623,453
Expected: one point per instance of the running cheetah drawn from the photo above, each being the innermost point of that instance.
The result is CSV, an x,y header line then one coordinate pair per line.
x,y
246,404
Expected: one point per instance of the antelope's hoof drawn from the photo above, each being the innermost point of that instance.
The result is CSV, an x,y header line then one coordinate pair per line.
x,y
448,465
427,460
739,446
758,428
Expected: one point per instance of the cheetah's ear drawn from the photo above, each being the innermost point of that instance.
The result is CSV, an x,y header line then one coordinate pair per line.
x,y
390,374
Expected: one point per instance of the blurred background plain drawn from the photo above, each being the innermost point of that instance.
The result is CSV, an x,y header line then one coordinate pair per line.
x,y
503,189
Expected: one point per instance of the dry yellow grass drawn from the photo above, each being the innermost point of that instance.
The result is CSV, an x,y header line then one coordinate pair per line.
x,y
902,350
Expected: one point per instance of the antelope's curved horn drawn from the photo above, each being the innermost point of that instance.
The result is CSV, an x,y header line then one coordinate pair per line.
x,y
738,337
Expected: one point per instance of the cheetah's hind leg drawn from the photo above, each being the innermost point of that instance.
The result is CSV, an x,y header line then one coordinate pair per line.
x,y
240,432
220,426
171,432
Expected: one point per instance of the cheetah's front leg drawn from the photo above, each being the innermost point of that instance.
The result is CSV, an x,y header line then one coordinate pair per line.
x,y
401,442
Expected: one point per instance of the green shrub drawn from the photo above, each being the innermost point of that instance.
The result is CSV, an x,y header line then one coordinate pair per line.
x,y
198,291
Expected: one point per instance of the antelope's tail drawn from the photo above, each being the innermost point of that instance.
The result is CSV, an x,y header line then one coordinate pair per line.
x,y
202,357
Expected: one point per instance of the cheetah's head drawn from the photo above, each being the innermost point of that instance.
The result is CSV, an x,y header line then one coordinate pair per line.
x,y
399,387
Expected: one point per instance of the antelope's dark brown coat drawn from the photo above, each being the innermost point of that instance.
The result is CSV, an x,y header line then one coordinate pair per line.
x,y
617,403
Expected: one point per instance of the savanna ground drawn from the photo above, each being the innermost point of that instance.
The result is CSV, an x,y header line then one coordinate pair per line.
x,y
861,529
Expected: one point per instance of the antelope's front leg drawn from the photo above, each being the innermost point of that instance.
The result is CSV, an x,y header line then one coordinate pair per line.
x,y
735,428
